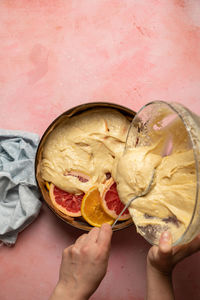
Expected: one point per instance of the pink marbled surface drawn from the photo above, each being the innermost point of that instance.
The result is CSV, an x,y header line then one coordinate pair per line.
x,y
56,54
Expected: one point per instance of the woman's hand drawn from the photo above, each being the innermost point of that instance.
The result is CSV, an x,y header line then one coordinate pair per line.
x,y
84,265
160,263
164,258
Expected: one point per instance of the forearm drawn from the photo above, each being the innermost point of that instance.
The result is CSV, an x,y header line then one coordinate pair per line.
x,y
159,286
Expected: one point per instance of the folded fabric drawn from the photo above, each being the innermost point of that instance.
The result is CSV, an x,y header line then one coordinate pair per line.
x,y
19,196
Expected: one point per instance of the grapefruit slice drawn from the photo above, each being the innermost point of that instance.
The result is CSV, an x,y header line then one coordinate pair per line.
x,y
111,202
69,204
92,210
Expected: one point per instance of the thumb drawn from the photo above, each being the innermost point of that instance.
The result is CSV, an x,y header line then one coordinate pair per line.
x,y
165,245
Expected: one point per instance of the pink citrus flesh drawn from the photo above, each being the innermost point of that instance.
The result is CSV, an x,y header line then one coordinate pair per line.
x,y
112,204
68,203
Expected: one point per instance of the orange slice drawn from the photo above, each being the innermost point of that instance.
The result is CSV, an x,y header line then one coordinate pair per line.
x,y
92,210
47,185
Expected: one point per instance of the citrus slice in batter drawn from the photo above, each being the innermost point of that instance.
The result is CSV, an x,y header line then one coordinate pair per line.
x,y
47,185
69,204
92,210
111,202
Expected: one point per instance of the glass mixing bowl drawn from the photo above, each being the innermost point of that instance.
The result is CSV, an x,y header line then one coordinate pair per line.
x,y
181,131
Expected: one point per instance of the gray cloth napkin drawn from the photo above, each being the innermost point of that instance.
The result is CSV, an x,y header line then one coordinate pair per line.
x,y
19,196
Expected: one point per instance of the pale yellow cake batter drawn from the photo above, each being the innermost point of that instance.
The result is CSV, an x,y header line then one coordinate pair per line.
x,y
86,145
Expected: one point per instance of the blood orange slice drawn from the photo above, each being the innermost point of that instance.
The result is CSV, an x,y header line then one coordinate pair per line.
x,y
111,202
69,204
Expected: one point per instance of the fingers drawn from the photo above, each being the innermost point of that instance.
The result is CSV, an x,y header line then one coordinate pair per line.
x,y
160,257
187,250
81,240
87,239
93,235
165,245
101,236
105,235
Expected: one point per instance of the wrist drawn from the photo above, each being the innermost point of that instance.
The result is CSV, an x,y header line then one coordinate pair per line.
x,y
64,291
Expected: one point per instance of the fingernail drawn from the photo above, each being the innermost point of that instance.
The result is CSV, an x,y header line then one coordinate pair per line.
x,y
166,236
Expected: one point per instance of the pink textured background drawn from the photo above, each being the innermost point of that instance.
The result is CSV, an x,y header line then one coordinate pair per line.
x,y
56,54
